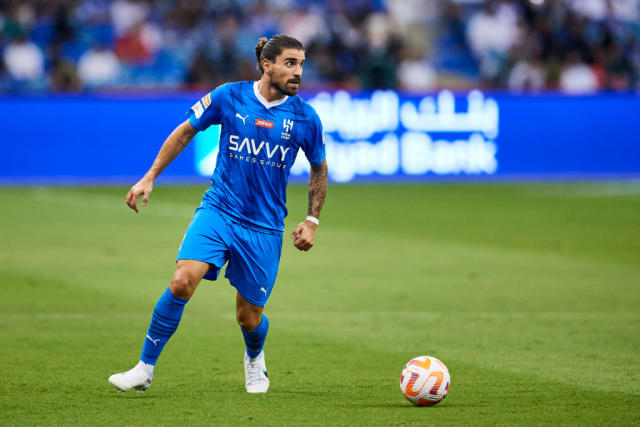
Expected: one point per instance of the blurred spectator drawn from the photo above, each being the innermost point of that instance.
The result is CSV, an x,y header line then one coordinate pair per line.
x,y
17,19
492,32
305,24
598,10
202,71
378,63
415,73
24,60
620,69
62,22
98,66
63,76
576,76
493,29
132,48
527,75
138,44
127,13
94,12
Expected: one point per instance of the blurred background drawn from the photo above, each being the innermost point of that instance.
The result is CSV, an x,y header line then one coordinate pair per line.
x,y
577,46
407,89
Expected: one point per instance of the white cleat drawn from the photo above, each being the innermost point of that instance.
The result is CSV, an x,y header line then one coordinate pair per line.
x,y
135,378
255,371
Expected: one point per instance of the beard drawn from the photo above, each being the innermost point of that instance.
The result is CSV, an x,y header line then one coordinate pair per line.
x,y
282,86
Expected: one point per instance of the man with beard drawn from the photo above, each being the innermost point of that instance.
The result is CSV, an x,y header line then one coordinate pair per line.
x,y
241,217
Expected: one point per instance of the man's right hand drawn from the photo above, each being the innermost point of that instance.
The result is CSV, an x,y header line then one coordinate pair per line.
x,y
142,188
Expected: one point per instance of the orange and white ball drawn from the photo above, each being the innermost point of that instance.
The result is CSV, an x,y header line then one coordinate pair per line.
x,y
425,381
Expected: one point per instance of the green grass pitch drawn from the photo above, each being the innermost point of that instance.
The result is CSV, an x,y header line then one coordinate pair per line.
x,y
530,293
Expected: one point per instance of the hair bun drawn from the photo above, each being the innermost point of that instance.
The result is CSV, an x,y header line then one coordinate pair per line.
x,y
261,42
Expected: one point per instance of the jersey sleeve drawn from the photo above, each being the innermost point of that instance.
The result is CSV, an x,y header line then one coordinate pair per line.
x,y
313,146
207,110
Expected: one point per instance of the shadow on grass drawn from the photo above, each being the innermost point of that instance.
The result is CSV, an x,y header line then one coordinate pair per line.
x,y
301,392
132,395
407,405
404,406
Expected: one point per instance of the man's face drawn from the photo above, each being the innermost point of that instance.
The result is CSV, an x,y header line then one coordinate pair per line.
x,y
286,72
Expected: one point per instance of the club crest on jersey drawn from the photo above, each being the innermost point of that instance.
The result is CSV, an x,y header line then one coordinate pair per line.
x,y
264,123
206,100
287,124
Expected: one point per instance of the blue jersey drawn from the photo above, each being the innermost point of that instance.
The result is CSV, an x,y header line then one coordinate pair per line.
x,y
259,141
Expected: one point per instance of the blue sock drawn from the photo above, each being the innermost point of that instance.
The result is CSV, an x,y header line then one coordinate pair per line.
x,y
164,322
255,339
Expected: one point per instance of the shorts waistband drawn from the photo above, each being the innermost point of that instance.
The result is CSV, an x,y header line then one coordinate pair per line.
x,y
210,204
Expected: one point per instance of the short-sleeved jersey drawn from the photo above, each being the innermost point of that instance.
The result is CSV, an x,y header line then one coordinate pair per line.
x,y
259,141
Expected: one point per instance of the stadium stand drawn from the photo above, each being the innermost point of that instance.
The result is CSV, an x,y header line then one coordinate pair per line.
x,y
576,45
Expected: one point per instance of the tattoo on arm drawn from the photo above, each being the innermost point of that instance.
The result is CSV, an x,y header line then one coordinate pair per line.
x,y
317,188
184,135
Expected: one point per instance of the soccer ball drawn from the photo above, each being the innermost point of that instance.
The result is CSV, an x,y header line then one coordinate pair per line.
x,y
425,381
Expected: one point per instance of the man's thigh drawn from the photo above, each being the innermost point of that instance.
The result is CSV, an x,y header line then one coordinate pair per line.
x,y
195,270
254,258
206,241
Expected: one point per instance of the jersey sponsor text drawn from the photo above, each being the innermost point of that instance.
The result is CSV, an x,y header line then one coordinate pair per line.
x,y
264,123
253,149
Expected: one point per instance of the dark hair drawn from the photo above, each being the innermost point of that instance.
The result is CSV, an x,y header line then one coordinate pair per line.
x,y
270,49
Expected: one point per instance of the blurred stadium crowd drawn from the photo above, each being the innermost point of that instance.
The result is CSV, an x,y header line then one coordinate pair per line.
x,y
73,45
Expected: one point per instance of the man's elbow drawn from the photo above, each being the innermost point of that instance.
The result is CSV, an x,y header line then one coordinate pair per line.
x,y
184,133
319,168
187,130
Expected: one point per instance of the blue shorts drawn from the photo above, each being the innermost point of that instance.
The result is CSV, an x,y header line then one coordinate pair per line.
x,y
253,256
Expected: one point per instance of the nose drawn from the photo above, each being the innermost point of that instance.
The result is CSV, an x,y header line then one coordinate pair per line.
x,y
297,70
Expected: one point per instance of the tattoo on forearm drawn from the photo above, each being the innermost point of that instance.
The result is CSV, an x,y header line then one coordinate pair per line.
x,y
317,189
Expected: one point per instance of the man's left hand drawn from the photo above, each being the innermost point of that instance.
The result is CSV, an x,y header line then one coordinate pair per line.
x,y
303,235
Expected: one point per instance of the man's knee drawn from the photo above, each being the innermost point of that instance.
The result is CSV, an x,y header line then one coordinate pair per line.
x,y
247,314
183,284
186,278
248,319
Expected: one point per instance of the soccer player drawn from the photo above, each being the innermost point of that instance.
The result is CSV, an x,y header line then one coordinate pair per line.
x,y
241,217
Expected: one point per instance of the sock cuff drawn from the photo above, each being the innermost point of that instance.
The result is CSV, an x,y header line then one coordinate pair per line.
x,y
174,299
259,331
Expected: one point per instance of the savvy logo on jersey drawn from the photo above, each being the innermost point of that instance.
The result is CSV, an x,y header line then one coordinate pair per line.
x,y
252,149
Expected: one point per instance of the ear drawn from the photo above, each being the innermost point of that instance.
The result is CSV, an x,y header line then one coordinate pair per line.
x,y
266,65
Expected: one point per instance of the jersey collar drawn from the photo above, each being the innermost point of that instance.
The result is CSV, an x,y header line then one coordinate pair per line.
x,y
263,101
